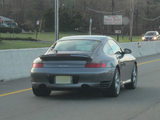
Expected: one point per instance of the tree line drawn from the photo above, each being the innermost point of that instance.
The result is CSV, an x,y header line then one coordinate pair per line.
x,y
75,14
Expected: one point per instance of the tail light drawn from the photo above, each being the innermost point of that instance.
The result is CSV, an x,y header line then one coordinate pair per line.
x,y
95,65
37,65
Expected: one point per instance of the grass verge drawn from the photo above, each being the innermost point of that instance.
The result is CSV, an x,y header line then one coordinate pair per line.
x,y
47,36
22,44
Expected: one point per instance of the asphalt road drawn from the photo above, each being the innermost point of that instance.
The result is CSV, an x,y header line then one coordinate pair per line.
x,y
18,103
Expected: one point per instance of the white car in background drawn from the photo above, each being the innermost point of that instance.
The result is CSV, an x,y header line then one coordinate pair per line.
x,y
151,36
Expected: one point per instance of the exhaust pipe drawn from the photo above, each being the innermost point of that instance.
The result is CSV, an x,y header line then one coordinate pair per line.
x,y
42,86
85,87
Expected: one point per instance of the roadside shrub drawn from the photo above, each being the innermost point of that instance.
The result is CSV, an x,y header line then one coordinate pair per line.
x,y
17,30
17,38
5,29
10,30
27,28
0,41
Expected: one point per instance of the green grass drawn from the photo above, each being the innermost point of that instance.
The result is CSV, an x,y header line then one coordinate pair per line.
x,y
22,44
126,38
47,36
44,36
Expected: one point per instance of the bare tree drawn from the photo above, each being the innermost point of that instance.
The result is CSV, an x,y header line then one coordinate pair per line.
x,y
28,11
3,7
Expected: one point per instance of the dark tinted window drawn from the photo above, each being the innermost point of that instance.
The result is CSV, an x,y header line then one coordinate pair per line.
x,y
115,47
76,45
150,33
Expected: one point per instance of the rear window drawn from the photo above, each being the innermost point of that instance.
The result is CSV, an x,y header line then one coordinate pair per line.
x,y
76,45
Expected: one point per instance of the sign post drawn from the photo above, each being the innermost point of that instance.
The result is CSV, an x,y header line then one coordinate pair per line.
x,y
90,27
0,23
37,24
118,32
113,20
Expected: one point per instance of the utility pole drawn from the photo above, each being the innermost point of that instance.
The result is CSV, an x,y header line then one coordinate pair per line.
x,y
56,20
112,6
131,16
112,27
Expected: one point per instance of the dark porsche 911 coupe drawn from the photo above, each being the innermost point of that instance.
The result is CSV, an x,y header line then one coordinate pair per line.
x,y
84,63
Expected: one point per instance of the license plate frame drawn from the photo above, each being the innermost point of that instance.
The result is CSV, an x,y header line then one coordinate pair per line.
x,y
63,79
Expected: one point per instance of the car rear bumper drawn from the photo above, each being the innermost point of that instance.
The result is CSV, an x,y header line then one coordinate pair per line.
x,y
87,79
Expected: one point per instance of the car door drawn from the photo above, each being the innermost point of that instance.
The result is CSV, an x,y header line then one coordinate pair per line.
x,y
123,60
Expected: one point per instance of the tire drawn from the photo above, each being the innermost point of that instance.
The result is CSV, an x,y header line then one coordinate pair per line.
x,y
41,91
134,79
115,87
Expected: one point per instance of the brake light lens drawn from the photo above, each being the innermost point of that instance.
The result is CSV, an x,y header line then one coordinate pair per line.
x,y
95,65
37,65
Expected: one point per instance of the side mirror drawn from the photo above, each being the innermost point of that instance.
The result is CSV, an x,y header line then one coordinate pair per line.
x,y
127,51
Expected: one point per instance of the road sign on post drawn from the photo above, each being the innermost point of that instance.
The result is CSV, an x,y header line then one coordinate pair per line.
x,y
113,20
118,31
37,23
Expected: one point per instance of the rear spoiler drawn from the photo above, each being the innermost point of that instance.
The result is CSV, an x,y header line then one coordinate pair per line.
x,y
66,57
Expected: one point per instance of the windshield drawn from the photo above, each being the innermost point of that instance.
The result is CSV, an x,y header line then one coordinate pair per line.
x,y
150,33
76,45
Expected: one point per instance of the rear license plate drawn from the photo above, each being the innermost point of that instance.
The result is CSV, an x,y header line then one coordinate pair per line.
x,y
63,79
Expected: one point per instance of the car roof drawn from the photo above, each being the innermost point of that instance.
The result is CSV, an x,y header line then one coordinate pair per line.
x,y
89,37
151,31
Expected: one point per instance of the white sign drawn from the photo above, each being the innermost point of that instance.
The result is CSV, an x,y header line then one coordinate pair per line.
x,y
118,31
90,20
113,20
37,23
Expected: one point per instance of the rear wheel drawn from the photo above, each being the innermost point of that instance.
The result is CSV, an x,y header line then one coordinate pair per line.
x,y
41,91
115,87
133,83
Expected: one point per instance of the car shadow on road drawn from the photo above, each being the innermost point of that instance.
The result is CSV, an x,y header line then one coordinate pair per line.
x,y
80,95
140,95
75,95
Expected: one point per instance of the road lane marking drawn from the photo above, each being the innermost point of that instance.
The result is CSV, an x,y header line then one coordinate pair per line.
x,y
149,62
31,88
15,92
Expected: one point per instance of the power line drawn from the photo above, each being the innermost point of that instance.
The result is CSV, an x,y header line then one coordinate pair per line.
x,y
103,11
150,19
147,18
149,5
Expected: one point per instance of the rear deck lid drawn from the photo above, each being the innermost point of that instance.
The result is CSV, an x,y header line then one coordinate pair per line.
x,y
66,57
65,60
